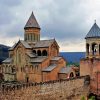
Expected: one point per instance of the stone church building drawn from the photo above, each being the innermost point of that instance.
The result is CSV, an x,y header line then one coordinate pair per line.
x,y
32,59
90,65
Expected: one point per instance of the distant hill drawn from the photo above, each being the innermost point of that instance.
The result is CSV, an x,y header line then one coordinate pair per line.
x,y
73,57
3,52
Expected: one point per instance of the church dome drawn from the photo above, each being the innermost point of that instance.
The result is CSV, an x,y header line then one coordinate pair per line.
x,y
94,32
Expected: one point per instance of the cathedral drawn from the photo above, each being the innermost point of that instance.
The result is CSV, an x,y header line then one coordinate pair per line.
x,y
32,59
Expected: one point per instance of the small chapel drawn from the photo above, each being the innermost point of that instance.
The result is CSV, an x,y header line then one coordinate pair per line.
x,y
33,59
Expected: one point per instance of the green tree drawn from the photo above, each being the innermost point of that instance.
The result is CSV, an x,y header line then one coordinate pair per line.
x,y
82,98
92,98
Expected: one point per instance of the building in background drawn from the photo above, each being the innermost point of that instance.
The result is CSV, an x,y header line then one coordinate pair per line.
x,y
90,65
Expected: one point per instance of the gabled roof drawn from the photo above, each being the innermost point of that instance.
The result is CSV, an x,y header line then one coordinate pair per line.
x,y
44,43
32,22
94,32
65,70
38,59
56,58
8,60
25,44
49,68
30,54
11,48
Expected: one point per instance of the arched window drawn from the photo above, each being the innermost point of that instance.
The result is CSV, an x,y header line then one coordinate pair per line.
x,y
31,37
87,48
44,53
39,53
34,37
6,68
31,67
19,53
71,74
34,51
25,35
99,48
9,69
94,48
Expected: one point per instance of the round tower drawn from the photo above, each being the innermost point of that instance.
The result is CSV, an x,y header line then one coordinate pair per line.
x,y
32,30
93,42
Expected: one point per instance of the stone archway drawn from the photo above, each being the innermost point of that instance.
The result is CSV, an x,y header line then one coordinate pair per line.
x,y
34,51
87,48
44,53
39,53
71,74
94,48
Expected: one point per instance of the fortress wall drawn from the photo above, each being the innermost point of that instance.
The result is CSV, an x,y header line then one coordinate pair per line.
x,y
86,67
69,89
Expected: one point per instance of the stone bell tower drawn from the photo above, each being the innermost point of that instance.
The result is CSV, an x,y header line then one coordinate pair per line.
x,y
90,65
93,42
32,30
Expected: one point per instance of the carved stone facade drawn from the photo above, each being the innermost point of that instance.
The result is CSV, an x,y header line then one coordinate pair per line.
x,y
32,59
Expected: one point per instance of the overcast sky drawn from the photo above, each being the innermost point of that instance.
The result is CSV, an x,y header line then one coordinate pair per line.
x,y
68,21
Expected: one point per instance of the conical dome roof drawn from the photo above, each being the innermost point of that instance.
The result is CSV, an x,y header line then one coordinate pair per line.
x,y
94,32
32,22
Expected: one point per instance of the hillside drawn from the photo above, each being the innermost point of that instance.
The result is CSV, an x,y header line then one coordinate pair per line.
x,y
73,57
3,52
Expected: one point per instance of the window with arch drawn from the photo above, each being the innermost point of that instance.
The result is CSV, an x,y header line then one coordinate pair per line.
x,y
19,58
34,51
6,68
88,48
94,48
39,37
21,69
31,66
9,69
99,48
25,37
39,53
30,37
13,69
44,53
34,37
71,74
19,55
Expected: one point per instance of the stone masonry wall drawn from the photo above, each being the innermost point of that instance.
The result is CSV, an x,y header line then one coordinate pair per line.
x,y
69,89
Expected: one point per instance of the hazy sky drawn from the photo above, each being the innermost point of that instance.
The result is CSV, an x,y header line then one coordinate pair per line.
x,y
68,21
